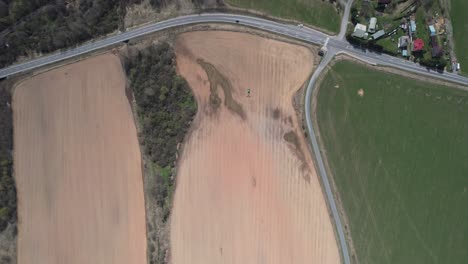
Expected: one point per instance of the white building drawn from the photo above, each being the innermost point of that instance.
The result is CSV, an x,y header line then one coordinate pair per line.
x,y
372,25
360,31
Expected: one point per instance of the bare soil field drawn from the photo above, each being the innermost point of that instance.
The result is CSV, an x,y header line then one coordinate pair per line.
x,y
78,167
247,190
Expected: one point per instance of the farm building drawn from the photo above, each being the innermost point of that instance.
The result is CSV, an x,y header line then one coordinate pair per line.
x,y
360,27
378,34
418,45
372,25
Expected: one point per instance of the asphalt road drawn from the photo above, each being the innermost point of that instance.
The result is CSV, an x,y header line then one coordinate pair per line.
x,y
318,155
336,45
305,34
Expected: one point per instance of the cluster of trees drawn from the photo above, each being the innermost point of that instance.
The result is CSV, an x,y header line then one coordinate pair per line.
x,y
7,184
367,44
47,25
438,64
165,104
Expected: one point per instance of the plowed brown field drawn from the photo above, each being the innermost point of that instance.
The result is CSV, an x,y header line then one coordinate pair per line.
x,y
247,191
78,167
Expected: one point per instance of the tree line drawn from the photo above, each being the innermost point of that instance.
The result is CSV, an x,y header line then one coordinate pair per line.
x,y
7,184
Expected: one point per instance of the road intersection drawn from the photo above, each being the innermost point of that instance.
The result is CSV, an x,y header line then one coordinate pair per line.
x,y
335,44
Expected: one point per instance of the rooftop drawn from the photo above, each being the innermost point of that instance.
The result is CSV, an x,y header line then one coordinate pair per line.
x,y
359,33
372,24
403,42
432,30
413,25
418,45
360,27
378,34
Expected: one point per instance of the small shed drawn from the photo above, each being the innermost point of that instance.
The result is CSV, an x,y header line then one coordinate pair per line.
x,y
432,30
413,26
403,42
372,25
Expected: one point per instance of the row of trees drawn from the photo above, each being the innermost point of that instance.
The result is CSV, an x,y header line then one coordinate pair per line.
x,y
7,184
165,103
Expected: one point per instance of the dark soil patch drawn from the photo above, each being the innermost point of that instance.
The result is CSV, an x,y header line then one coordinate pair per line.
x,y
292,138
217,79
276,113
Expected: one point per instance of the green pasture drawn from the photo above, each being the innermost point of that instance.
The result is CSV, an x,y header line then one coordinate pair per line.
x,y
398,155
317,13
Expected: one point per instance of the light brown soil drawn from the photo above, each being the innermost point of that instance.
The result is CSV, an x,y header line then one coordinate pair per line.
x,y
247,191
78,167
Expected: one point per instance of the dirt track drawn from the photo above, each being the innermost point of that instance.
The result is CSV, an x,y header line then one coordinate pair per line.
x,y
247,191
78,167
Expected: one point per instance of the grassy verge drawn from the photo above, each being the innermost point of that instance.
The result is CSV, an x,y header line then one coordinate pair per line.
x,y
165,107
460,31
313,12
398,156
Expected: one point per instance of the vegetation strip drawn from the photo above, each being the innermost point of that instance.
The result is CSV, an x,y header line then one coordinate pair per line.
x,y
8,213
165,108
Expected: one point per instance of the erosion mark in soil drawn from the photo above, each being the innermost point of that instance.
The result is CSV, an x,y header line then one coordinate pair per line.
x,y
292,138
217,79
276,113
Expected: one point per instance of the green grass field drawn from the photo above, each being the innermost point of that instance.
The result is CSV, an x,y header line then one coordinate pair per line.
x,y
313,12
399,158
460,31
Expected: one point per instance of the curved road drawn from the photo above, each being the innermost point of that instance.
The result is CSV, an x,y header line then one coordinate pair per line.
x,y
304,34
335,44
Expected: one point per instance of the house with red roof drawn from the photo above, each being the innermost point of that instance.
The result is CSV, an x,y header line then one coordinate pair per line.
x,y
418,45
